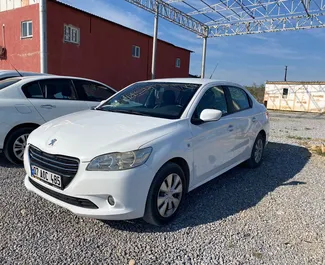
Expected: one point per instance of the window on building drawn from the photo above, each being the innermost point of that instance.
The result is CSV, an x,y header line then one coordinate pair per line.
x,y
178,62
285,93
26,29
136,51
71,34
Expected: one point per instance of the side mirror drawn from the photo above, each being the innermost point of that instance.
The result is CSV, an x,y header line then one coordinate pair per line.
x,y
210,115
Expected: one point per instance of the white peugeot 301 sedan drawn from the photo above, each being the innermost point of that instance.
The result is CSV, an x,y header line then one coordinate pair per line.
x,y
138,153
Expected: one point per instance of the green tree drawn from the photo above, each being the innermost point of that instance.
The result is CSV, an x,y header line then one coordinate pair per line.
x,y
257,91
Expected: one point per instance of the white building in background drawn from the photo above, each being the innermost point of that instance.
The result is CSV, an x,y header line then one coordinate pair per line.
x,y
295,96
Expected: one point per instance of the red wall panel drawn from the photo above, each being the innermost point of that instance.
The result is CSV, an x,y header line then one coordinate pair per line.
x,y
105,50
23,54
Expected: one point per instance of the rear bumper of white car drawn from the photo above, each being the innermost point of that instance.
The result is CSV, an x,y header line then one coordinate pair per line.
x,y
87,194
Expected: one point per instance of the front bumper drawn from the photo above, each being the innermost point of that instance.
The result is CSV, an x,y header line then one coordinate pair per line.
x,y
129,189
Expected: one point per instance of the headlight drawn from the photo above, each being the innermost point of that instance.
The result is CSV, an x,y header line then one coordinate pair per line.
x,y
119,161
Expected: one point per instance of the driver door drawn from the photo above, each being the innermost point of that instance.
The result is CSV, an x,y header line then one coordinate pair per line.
x,y
212,142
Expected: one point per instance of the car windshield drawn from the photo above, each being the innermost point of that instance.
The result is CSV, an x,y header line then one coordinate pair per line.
x,y
8,82
157,99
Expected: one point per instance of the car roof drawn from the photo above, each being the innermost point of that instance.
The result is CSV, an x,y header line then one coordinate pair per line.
x,y
200,81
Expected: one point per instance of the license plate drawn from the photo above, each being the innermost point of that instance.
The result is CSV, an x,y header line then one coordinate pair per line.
x,y
46,176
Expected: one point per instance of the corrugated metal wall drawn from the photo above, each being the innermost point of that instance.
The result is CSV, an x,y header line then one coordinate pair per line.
x,y
105,50
293,96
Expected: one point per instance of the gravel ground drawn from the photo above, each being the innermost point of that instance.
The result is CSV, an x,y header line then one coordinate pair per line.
x,y
272,215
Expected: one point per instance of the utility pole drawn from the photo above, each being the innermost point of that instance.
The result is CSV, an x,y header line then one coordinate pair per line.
x,y
285,73
43,35
204,56
154,43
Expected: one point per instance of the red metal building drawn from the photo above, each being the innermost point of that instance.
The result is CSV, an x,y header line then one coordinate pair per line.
x,y
82,44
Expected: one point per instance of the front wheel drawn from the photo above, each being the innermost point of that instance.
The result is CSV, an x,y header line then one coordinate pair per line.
x,y
165,195
15,145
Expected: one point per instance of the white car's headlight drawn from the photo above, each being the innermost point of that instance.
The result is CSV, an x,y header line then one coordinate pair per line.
x,y
119,161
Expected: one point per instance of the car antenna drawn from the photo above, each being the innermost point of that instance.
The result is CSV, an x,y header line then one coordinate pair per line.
x,y
214,70
16,70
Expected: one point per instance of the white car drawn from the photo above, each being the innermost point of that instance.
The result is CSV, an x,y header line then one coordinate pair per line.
x,y
27,102
138,153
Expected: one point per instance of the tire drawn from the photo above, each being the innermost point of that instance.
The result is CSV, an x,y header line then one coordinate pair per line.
x,y
20,135
152,215
257,152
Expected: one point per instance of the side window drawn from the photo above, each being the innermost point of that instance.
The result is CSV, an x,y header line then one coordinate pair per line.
x,y
26,29
91,91
239,99
136,51
32,90
285,93
8,82
178,62
71,34
58,89
213,98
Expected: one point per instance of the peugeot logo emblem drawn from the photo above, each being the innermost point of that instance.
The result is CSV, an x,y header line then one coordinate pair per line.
x,y
52,142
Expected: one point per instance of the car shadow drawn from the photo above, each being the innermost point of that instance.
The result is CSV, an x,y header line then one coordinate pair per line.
x,y
4,163
237,190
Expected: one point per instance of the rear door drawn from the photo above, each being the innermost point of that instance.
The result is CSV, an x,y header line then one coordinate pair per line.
x,y
91,92
53,97
244,119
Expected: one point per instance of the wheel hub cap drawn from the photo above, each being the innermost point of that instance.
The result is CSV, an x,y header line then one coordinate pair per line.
x,y
258,150
169,195
19,146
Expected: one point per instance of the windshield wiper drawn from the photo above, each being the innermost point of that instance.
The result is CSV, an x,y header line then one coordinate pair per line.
x,y
127,111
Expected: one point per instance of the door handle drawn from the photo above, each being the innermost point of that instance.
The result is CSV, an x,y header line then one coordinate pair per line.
x,y
48,106
254,119
230,128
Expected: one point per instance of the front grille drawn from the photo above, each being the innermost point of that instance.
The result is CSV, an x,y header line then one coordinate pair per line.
x,y
64,166
65,198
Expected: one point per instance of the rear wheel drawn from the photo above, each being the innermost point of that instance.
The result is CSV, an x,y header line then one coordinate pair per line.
x,y
15,145
165,195
257,153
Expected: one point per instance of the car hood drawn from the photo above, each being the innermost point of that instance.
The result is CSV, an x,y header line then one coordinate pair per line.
x,y
91,133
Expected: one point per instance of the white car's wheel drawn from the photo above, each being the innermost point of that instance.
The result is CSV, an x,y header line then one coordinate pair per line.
x,y
257,152
165,195
15,145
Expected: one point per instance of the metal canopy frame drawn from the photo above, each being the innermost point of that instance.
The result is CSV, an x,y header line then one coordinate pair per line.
x,y
235,17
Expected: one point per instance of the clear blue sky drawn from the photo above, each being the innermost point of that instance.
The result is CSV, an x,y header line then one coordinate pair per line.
x,y
242,59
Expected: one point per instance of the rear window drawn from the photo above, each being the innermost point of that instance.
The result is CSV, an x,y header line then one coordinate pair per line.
x,y
8,82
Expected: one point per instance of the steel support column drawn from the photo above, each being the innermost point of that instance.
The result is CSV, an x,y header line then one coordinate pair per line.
x,y
154,43
204,55
43,36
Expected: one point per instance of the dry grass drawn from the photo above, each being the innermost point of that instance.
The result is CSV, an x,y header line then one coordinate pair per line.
x,y
298,137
